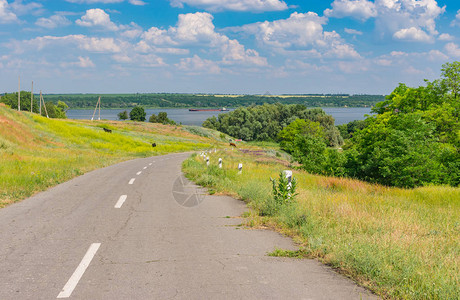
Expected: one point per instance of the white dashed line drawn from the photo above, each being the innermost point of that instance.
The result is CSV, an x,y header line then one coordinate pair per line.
x,y
76,276
139,173
121,201
132,180
150,164
145,168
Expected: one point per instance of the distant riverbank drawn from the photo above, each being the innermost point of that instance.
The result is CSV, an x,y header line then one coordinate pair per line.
x,y
342,115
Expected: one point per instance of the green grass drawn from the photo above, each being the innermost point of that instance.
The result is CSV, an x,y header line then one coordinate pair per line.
x,y
37,153
401,244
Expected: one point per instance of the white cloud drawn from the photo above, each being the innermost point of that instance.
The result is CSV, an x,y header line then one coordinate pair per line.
x,y
94,1
412,34
198,30
409,20
353,31
83,62
453,50
133,2
234,5
96,17
445,37
358,9
6,16
301,34
196,64
21,9
456,22
92,44
53,21
436,55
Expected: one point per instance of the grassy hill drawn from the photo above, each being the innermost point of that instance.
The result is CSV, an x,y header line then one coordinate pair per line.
x,y
37,153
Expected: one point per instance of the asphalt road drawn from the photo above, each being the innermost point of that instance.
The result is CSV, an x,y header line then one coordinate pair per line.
x,y
139,230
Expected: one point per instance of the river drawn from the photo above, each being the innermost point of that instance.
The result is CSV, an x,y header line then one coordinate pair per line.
x,y
342,115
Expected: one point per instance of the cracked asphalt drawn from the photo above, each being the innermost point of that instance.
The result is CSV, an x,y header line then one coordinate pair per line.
x,y
152,247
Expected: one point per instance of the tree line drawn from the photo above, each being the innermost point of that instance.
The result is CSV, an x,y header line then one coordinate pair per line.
x,y
216,101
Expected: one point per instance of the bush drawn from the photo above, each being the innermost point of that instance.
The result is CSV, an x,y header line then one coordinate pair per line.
x,y
123,115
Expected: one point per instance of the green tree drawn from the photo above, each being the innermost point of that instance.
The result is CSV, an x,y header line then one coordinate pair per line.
x,y
137,114
451,78
123,115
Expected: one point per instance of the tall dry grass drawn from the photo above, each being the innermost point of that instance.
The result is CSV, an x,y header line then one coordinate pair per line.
x,y
402,244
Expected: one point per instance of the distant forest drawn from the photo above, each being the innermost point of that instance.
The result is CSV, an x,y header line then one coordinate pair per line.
x,y
214,101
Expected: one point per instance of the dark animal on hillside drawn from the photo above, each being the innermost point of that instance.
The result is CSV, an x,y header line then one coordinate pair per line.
x,y
154,144
233,145
107,130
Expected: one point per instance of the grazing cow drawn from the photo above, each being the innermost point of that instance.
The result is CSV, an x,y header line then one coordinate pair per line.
x,y
107,130
154,144
233,145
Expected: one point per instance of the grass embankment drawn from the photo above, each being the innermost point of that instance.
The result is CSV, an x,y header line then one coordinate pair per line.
x,y
402,244
36,152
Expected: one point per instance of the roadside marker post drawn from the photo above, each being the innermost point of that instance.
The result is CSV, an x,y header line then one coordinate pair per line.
x,y
207,161
220,163
288,175
240,168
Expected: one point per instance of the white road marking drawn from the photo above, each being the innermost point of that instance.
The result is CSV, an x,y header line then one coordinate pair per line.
x,y
132,180
76,276
145,168
139,173
121,201
150,164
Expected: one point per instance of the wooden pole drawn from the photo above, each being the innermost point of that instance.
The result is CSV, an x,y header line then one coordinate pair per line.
x,y
32,97
40,111
95,109
41,99
19,93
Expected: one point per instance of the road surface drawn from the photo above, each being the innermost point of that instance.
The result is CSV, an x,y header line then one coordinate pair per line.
x,y
139,230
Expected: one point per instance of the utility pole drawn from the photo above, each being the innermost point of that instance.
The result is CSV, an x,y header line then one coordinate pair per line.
x,y
32,97
19,93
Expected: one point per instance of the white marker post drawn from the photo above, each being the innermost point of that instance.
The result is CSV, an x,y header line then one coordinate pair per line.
x,y
288,175
207,161
220,163
240,168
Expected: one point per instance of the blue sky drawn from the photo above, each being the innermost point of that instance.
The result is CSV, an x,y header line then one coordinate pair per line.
x,y
225,46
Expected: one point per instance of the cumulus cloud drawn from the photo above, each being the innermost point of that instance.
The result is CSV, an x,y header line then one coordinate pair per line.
x,y
196,64
412,34
53,22
94,1
83,62
456,22
353,31
92,44
408,20
198,30
97,17
6,15
445,37
358,9
234,5
133,2
302,34
453,50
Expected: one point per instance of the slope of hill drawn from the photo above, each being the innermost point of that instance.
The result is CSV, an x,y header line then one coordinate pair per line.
x,y
36,152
